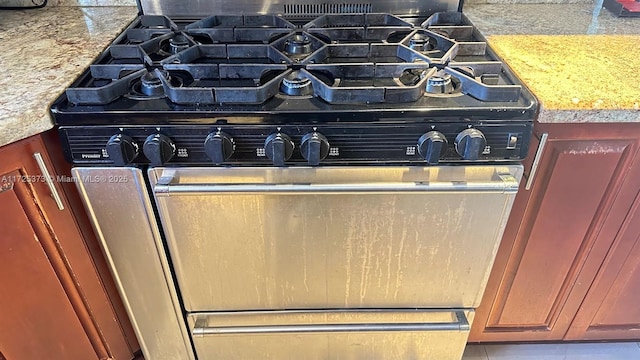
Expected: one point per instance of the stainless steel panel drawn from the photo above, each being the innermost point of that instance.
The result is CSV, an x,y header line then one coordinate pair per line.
x,y
48,179
120,209
199,8
536,161
358,334
349,237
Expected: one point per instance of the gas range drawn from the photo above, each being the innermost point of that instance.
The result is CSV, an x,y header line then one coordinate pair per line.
x,y
265,182
334,89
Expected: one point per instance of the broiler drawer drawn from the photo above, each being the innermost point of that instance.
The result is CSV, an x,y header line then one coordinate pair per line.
x,y
334,334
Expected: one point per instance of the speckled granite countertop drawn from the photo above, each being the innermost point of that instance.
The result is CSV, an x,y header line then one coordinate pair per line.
x,y
580,61
548,19
41,52
574,80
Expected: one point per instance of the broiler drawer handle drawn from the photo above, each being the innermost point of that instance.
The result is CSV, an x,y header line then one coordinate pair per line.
x,y
461,324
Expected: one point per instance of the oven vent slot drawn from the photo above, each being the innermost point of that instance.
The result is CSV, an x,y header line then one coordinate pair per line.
x,y
326,8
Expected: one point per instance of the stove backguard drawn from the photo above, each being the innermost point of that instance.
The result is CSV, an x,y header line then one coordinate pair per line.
x,y
295,9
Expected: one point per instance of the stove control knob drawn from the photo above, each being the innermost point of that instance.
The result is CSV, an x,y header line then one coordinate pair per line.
x,y
278,147
219,147
314,148
122,149
159,149
432,146
470,144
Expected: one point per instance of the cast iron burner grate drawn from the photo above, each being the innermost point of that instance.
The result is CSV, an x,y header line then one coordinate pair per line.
x,y
338,58
345,28
251,29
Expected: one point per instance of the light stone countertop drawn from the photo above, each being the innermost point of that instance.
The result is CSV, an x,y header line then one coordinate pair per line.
x,y
42,51
586,18
577,78
580,61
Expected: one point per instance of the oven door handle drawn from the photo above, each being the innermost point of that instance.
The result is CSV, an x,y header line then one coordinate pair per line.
x,y
506,184
460,324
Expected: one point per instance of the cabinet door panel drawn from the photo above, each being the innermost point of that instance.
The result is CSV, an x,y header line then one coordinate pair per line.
x,y
37,321
611,309
552,235
562,221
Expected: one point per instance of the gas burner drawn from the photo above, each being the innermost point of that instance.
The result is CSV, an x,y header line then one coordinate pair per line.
x,y
178,43
172,45
149,86
440,83
160,47
295,84
298,44
436,48
422,42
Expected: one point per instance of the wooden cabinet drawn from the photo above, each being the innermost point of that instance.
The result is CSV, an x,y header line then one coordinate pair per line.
x,y
611,308
568,266
54,300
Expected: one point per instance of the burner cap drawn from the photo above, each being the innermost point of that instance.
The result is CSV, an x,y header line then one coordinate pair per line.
x,y
440,83
151,85
298,44
422,42
178,43
295,84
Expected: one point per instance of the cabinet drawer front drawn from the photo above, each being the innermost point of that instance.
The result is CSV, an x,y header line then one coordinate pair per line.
x,y
357,334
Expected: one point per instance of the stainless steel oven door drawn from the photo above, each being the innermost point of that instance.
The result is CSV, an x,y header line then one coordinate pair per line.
x,y
329,237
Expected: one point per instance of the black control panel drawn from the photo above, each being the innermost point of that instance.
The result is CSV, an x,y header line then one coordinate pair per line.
x,y
297,145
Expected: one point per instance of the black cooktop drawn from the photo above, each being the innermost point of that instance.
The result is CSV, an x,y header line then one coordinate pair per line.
x,y
265,63
268,90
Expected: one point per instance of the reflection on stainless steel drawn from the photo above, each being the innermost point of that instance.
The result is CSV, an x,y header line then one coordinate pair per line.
x,y
120,210
190,8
